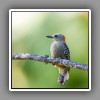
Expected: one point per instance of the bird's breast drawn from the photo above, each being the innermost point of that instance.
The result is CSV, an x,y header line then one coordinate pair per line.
x,y
56,49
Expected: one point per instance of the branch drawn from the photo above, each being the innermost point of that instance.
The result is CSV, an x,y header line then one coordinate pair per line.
x,y
48,59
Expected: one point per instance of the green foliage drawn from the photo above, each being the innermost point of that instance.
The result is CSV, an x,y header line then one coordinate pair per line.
x,y
29,31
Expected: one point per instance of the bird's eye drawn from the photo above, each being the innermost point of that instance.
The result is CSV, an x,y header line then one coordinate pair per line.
x,y
55,35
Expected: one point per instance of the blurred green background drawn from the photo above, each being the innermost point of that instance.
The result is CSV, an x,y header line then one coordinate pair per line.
x,y
28,36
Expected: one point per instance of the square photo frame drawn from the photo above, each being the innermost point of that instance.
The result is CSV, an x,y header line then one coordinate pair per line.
x,y
27,29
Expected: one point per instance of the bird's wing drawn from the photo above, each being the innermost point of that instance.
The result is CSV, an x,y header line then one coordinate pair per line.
x,y
66,51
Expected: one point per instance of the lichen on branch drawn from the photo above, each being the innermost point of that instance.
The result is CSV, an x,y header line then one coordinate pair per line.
x,y
48,59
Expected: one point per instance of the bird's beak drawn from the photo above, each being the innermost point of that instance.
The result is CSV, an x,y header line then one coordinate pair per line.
x,y
49,36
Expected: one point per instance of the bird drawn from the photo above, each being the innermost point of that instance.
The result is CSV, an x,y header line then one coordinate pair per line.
x,y
59,49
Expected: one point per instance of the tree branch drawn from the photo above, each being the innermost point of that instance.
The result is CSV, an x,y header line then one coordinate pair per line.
x,y
48,59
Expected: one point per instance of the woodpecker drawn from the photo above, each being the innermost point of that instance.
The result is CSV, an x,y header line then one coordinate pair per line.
x,y
59,49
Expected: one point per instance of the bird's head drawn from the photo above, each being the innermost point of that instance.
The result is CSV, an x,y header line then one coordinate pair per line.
x,y
57,37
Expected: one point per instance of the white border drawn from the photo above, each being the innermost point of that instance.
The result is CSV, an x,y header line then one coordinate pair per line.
x,y
48,11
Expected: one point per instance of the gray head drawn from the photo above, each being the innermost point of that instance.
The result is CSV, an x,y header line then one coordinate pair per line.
x,y
57,37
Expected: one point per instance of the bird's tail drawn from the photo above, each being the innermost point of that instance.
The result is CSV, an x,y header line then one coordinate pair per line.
x,y
66,76
63,76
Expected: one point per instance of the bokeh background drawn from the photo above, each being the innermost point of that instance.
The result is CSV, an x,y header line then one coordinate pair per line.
x,y
29,31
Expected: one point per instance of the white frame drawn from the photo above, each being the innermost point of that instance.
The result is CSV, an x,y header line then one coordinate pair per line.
x,y
48,11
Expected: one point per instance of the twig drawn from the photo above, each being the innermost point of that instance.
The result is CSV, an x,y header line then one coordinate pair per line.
x,y
48,59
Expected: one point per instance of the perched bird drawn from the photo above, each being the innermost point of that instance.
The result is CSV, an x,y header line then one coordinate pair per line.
x,y
59,49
